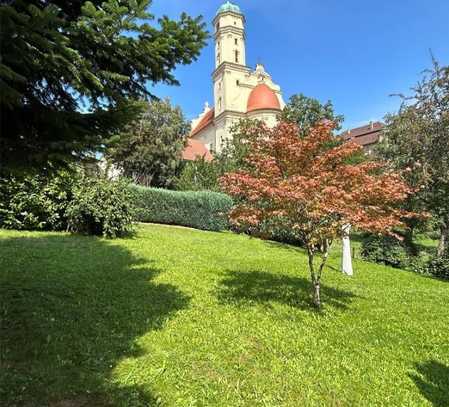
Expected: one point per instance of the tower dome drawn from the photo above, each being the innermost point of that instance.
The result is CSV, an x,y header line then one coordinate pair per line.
x,y
228,6
262,98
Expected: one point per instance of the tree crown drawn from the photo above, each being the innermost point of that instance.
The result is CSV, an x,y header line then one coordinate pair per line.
x,y
311,187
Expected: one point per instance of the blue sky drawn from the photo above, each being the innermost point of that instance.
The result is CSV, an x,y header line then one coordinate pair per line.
x,y
353,52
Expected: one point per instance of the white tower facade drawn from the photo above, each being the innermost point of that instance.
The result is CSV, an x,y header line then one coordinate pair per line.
x,y
239,91
229,26
230,55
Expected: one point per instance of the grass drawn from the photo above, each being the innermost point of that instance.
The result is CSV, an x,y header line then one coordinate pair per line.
x,y
178,317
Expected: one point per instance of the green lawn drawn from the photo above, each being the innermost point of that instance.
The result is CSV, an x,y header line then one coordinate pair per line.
x,y
179,317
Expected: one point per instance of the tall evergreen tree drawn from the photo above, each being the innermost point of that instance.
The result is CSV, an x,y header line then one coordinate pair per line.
x,y
70,69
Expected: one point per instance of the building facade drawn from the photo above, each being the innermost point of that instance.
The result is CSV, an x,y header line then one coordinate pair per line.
x,y
366,136
239,91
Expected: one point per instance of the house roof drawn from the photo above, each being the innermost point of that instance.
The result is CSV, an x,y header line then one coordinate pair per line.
x,y
364,135
196,149
261,98
205,121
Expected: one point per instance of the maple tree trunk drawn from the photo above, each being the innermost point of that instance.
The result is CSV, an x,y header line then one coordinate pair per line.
x,y
316,294
315,280
444,239
316,275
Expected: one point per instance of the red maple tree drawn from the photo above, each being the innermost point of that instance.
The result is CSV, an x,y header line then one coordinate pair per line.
x,y
311,185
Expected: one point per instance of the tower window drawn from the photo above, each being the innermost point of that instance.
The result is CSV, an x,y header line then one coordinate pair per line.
x,y
237,82
217,26
219,103
218,58
236,57
236,41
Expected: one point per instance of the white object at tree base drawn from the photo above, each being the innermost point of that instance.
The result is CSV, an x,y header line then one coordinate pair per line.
x,y
346,260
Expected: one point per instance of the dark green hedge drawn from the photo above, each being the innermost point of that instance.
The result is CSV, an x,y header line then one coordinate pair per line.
x,y
200,210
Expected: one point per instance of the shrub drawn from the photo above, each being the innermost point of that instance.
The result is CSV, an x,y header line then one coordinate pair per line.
x,y
36,202
439,267
101,207
384,249
275,229
201,210
66,201
198,175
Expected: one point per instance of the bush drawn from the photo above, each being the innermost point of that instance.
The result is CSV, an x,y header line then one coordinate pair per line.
x,y
384,249
201,210
65,201
439,267
101,207
275,229
198,175
36,202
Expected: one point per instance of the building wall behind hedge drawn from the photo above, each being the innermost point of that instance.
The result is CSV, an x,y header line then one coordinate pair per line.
x,y
200,210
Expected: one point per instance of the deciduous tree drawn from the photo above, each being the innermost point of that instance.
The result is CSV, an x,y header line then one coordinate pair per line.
x,y
149,149
307,112
417,137
314,189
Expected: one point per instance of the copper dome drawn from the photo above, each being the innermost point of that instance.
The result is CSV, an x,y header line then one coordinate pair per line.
x,y
261,98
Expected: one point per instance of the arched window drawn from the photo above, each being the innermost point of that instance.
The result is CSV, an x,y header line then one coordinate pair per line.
x,y
236,56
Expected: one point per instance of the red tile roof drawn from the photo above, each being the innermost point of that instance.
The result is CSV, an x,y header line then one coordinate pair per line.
x,y
364,135
204,122
262,97
196,149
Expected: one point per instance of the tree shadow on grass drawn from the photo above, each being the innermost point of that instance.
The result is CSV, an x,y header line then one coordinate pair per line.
x,y
432,381
249,287
71,308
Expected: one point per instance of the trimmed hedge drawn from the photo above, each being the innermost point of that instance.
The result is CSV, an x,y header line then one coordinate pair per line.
x,y
200,210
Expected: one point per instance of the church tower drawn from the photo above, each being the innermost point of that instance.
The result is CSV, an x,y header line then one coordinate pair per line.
x,y
230,56
239,91
229,26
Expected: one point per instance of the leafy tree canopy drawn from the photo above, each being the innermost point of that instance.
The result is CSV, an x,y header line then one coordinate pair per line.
x,y
417,138
308,112
149,149
70,68
304,185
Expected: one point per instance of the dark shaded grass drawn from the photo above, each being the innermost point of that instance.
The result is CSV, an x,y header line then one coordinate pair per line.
x,y
71,308
244,287
432,379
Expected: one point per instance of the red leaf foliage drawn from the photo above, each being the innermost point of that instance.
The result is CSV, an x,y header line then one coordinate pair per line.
x,y
312,186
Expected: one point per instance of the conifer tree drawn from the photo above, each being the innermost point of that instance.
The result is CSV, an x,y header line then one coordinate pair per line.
x,y
70,70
